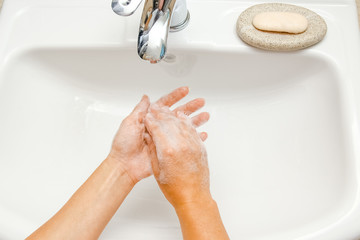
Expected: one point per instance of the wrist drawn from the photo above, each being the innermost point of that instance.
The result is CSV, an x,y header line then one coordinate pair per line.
x,y
118,167
201,201
201,220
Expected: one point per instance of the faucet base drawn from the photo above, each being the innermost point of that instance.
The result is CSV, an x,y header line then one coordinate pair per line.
x,y
182,25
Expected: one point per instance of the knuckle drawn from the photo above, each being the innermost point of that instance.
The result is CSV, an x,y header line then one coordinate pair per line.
x,y
184,148
169,151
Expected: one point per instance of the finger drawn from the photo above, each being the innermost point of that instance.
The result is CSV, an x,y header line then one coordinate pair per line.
x,y
142,107
153,127
153,154
200,119
181,115
160,113
173,97
191,106
158,138
150,143
203,136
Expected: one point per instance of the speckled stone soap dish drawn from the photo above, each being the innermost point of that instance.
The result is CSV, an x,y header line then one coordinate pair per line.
x,y
274,41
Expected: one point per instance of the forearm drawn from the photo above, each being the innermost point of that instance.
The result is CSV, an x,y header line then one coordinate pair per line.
x,y
201,221
91,207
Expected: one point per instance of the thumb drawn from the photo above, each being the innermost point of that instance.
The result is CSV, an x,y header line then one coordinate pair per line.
x,y
142,107
153,155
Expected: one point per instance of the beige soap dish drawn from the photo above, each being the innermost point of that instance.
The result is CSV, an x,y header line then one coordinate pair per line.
x,y
276,41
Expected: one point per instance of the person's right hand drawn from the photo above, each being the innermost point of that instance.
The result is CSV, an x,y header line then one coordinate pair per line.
x,y
181,167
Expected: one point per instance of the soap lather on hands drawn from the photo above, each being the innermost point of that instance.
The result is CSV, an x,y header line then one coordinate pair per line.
x,y
179,160
129,147
167,144
152,139
181,167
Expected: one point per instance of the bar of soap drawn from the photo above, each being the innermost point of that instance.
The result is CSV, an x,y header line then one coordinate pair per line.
x,y
272,41
287,22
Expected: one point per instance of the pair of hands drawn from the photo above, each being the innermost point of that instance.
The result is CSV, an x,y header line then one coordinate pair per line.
x,y
154,139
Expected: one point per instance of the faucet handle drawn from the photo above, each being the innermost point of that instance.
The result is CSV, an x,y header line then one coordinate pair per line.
x,y
125,7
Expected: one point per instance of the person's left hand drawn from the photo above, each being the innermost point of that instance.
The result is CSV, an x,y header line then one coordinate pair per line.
x,y
129,146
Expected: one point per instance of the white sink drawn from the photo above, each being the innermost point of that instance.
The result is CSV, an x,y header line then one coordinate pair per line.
x,y
283,136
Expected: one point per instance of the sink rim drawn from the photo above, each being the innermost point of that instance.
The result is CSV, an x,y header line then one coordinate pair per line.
x,y
12,59
347,63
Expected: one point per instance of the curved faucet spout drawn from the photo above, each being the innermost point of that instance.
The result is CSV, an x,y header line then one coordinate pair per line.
x,y
125,7
158,17
155,25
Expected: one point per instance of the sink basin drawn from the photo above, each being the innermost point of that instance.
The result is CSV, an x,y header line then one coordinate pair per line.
x,y
283,135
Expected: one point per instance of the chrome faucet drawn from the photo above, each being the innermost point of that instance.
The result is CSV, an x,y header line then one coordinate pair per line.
x,y
158,18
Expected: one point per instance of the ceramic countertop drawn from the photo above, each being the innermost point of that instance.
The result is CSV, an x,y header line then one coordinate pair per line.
x,y
357,2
